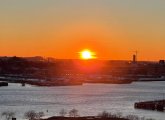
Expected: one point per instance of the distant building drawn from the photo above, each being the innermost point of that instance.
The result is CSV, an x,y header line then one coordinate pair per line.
x,y
35,58
162,62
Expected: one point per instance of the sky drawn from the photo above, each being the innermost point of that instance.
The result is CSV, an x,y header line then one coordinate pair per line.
x,y
113,29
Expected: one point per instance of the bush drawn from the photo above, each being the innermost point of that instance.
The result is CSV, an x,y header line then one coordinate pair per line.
x,y
119,115
106,114
132,117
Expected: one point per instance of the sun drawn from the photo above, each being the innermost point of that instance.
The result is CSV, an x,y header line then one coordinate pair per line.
x,y
87,54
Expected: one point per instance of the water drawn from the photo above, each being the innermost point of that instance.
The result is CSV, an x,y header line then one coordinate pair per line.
x,y
89,99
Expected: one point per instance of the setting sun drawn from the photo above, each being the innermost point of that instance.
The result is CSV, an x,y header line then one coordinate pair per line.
x,y
87,54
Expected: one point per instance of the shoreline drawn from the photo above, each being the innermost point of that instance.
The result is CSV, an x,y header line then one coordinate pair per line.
x,y
84,118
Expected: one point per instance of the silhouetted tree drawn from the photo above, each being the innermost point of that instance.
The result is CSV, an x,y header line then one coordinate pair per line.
x,y
31,115
63,112
73,113
40,115
118,115
8,114
104,114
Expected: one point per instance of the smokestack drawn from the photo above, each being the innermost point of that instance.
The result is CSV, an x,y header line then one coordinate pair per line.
x,y
134,58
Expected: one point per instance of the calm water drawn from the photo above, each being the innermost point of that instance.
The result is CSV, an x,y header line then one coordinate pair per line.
x,y
89,99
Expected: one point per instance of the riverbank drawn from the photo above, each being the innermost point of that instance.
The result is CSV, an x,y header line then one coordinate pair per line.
x,y
84,118
64,81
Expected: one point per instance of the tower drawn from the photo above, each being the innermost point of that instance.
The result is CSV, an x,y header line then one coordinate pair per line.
x,y
134,58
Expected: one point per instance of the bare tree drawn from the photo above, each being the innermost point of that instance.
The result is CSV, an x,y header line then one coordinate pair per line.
x,y
8,114
31,115
40,115
63,112
119,115
73,113
103,114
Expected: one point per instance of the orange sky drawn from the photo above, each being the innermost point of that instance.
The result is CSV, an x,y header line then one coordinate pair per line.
x,y
61,29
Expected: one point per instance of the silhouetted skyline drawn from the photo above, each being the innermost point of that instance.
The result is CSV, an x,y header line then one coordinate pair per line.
x,y
113,29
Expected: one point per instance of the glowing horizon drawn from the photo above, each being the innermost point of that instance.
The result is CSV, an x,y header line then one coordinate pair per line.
x,y
113,29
